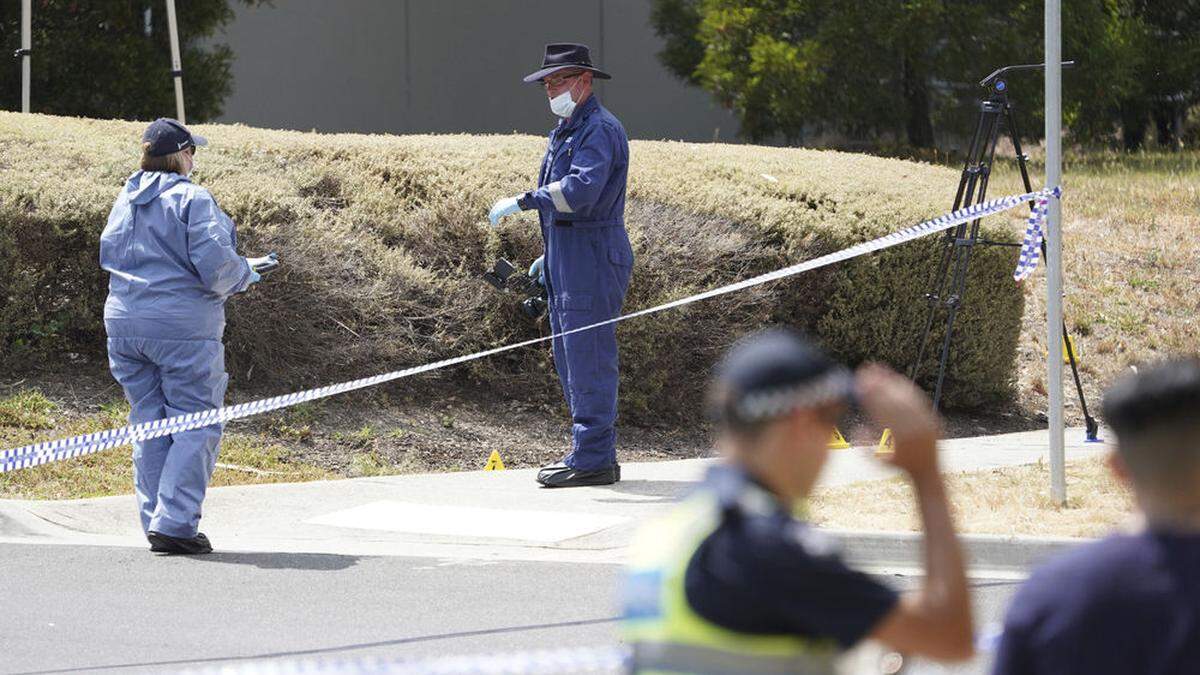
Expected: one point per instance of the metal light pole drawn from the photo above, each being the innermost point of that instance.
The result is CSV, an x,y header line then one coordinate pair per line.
x,y
26,50
1054,281
176,66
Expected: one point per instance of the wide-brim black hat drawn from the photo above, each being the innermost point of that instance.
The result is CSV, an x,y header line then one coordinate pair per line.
x,y
563,55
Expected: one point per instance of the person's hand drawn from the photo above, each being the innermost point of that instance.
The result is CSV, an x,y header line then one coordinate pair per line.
x,y
503,207
255,277
538,270
895,403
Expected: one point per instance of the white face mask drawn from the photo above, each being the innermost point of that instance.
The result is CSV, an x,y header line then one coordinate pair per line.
x,y
563,105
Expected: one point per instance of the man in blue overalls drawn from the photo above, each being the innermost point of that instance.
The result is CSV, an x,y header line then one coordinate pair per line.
x,y
580,201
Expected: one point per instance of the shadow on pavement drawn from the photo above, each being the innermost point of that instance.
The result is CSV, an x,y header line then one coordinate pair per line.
x,y
666,490
331,650
317,562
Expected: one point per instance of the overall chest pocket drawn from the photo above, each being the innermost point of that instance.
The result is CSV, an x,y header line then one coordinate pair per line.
x,y
560,162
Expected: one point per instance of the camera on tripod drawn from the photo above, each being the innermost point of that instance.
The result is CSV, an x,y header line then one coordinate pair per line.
x,y
506,278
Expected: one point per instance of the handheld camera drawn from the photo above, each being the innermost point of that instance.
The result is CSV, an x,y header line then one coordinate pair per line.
x,y
506,278
265,264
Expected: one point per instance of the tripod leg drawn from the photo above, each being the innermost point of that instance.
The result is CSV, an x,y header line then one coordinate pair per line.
x,y
1022,162
972,166
936,293
955,302
1093,429
988,131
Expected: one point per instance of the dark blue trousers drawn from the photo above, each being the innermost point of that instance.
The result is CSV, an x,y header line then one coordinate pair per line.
x,y
587,275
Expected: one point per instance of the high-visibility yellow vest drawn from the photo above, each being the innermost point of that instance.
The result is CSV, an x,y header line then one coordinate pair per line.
x,y
667,636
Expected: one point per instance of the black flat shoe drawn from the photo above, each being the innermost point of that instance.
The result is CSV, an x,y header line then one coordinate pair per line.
x,y
561,475
165,543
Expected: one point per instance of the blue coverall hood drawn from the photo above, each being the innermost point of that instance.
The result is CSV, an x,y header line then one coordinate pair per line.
x,y
144,186
171,255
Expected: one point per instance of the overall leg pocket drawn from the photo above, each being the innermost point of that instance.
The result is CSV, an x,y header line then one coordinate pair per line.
x,y
576,310
620,259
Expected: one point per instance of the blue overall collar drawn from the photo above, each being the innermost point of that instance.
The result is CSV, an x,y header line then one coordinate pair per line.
x,y
591,105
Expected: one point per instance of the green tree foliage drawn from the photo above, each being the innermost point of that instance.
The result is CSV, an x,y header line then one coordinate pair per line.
x,y
888,71
99,58
1165,36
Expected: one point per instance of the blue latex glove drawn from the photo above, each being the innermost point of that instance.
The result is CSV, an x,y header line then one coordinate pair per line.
x,y
538,270
255,277
503,207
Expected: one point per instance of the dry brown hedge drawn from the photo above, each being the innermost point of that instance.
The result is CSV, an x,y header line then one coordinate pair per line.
x,y
382,238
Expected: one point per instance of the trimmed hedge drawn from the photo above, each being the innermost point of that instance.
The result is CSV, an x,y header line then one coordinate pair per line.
x,y
382,239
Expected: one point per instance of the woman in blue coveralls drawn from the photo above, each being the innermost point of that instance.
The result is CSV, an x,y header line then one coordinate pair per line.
x,y
172,261
580,202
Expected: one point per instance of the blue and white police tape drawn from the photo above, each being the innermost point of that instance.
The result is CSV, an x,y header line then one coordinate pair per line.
x,y
1031,244
53,451
541,662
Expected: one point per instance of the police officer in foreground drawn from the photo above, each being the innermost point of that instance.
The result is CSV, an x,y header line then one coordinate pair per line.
x,y
580,200
735,581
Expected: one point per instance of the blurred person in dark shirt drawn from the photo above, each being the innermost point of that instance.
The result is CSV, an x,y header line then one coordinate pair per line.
x,y
1129,603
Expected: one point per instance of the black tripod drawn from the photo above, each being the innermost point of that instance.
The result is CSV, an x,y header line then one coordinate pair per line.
x,y
947,289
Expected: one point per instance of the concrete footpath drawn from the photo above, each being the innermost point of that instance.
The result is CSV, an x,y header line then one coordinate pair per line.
x,y
505,516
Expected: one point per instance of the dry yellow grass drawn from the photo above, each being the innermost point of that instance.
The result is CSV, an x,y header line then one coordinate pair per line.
x,y
1131,268
1007,501
29,417
245,460
111,472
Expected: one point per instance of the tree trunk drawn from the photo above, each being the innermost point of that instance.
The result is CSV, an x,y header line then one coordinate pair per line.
x,y
1134,120
1166,119
919,125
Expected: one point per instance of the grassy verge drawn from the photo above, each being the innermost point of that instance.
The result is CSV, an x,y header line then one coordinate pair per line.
x,y
381,432
1009,501
1131,267
29,416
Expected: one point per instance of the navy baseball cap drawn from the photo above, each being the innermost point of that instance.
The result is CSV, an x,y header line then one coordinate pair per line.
x,y
774,372
166,136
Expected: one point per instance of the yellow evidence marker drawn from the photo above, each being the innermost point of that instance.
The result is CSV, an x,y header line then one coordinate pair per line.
x,y
1074,349
1074,346
494,462
838,442
887,445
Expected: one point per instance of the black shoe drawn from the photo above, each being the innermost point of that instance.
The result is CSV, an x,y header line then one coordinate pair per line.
x,y
561,475
165,543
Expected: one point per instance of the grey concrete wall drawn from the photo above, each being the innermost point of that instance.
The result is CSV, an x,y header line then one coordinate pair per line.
x,y
417,66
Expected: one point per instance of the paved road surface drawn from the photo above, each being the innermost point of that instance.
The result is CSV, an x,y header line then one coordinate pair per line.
x,y
70,609
398,567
